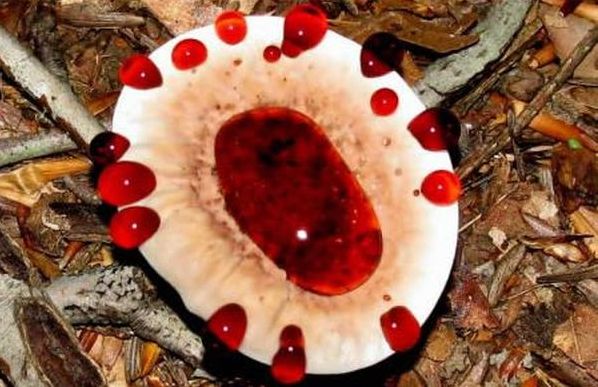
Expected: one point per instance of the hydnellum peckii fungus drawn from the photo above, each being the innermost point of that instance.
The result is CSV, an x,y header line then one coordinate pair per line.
x,y
289,185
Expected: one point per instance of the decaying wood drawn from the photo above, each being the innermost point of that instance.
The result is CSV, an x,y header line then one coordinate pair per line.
x,y
449,74
30,74
481,155
15,149
38,347
124,296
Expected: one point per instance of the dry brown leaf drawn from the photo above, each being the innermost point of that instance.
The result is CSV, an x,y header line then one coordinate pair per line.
x,y
440,343
406,30
575,176
471,306
576,337
585,221
25,184
183,15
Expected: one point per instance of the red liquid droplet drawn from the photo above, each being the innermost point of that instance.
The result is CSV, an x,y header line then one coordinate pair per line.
x,y
229,324
139,72
288,364
401,330
272,54
132,226
436,129
441,187
380,54
304,28
384,102
231,27
189,53
291,192
107,147
125,182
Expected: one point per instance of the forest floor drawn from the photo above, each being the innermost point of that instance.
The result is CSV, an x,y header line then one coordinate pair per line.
x,y
521,306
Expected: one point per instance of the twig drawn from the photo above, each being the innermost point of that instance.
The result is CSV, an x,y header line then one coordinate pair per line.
x,y
516,152
15,149
573,275
124,296
480,156
31,75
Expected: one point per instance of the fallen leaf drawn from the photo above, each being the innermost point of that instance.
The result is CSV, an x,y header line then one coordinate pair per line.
x,y
470,305
575,176
576,337
440,344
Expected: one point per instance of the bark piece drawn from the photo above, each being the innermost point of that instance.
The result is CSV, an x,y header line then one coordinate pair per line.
x,y
38,347
506,267
124,296
13,260
449,74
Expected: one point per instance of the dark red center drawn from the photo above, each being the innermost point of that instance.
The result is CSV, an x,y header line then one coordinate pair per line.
x,y
291,192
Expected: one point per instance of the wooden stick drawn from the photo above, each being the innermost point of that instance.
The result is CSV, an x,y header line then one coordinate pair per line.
x,y
30,74
480,156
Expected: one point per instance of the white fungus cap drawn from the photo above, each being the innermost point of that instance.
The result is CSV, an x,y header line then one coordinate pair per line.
x,y
199,249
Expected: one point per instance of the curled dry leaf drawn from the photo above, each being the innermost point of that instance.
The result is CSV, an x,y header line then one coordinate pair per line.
x,y
24,184
470,305
12,121
575,176
560,247
585,221
579,102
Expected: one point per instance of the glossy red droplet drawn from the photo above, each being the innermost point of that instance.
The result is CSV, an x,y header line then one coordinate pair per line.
x,y
381,53
272,54
289,362
229,324
304,28
107,147
231,27
441,187
291,192
436,129
384,102
139,72
131,227
125,182
189,53
401,329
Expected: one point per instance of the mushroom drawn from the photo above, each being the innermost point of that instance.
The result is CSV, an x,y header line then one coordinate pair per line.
x,y
298,199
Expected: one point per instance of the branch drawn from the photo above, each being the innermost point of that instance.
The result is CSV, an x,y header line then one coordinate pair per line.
x,y
478,157
124,296
15,149
30,74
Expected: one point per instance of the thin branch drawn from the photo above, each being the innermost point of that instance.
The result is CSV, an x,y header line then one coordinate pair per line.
x,y
30,74
15,149
480,156
574,275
